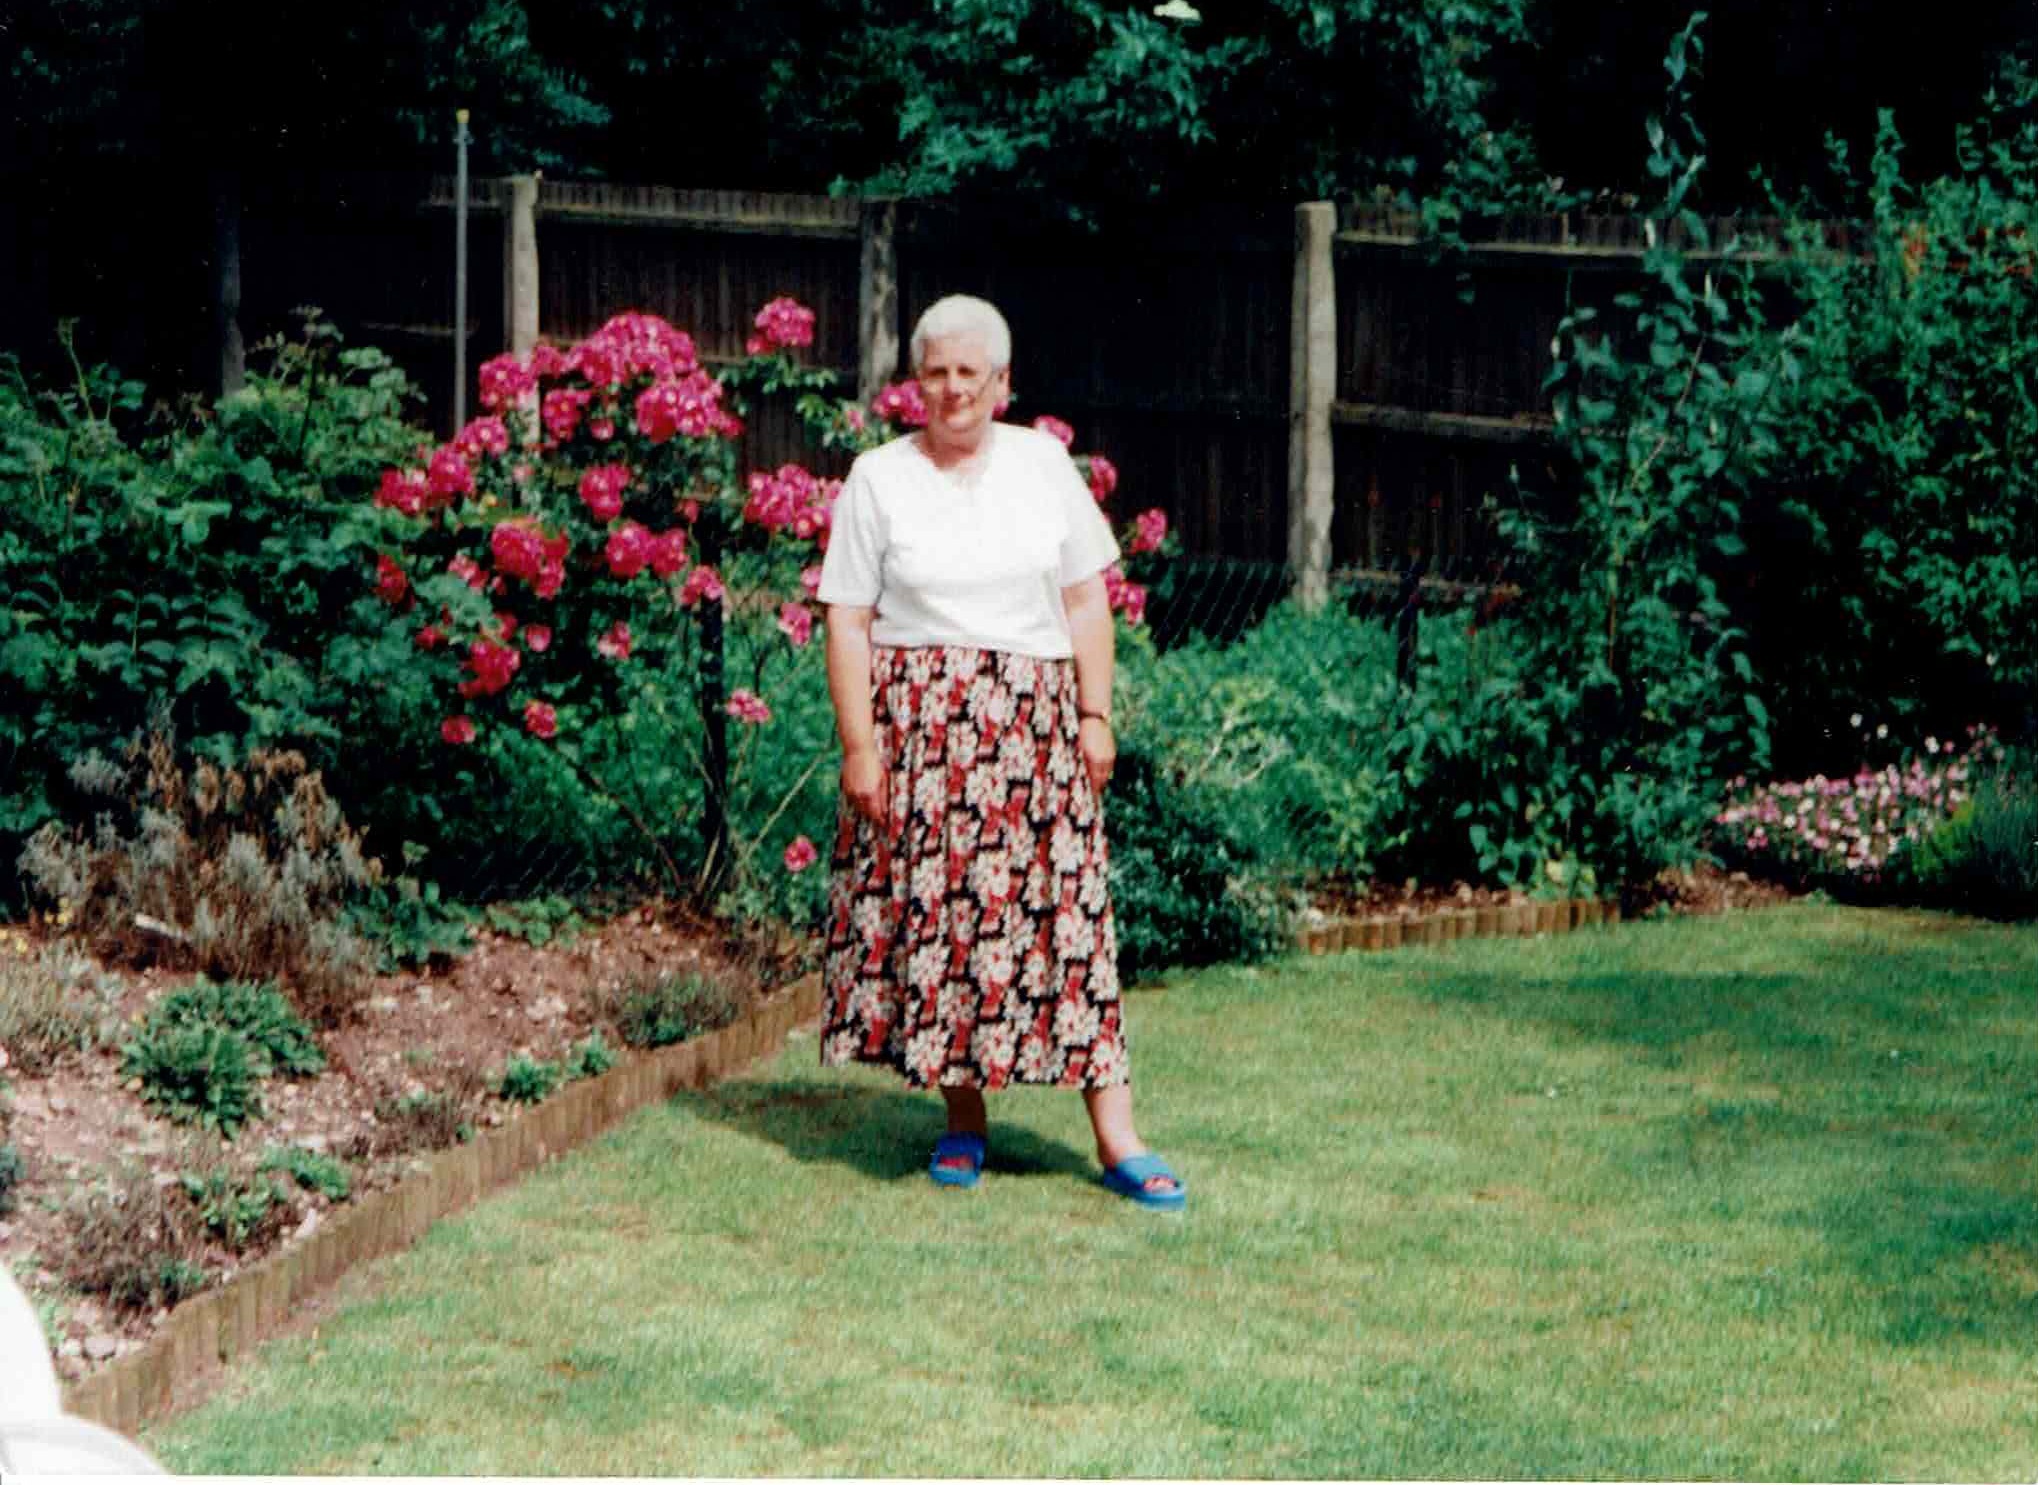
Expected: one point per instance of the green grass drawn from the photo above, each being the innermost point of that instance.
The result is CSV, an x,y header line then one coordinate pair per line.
x,y
1745,1198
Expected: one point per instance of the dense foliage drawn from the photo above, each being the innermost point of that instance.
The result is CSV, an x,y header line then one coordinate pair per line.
x,y
1897,570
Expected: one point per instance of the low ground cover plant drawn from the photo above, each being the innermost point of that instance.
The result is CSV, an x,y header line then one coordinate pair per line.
x,y
53,1000
202,1052
311,1169
136,1242
659,1010
427,1120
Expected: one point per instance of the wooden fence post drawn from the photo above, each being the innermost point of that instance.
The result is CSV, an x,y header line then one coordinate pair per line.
x,y
1312,385
520,265
877,299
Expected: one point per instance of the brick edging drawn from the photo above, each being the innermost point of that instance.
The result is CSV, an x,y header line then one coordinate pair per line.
x,y
1498,920
214,1327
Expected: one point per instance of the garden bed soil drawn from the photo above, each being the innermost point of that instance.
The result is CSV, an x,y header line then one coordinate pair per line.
x,y
445,1031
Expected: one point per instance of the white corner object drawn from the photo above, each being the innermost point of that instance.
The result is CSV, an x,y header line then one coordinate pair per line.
x,y
37,1437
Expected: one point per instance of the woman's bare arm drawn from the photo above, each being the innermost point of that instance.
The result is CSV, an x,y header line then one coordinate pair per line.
x,y
1091,630
849,662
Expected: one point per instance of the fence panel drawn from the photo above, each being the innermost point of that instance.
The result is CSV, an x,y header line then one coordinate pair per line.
x,y
1169,355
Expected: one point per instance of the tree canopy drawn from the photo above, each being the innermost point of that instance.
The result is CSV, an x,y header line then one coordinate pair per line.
x,y
1079,101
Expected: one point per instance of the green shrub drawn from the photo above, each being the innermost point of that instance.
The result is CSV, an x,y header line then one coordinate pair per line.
x,y
311,1170
12,1171
1896,570
527,1080
2001,859
1286,727
1635,699
1184,889
209,563
411,923
1937,867
673,1008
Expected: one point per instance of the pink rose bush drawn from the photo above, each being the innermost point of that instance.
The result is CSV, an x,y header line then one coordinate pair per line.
x,y
1855,830
592,533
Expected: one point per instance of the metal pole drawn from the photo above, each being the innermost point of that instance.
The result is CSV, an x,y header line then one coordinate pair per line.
x,y
460,140
1408,602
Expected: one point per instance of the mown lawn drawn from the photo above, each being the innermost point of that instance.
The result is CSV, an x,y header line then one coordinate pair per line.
x,y
1751,1197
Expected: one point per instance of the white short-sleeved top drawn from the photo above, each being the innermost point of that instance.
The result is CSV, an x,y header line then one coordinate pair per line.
x,y
980,565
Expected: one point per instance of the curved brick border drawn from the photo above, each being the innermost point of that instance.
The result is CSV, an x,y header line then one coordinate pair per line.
x,y
1503,920
212,1328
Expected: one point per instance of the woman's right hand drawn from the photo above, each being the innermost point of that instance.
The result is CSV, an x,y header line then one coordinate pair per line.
x,y
863,785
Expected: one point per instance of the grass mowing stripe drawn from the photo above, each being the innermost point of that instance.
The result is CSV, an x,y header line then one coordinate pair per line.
x,y
1741,1197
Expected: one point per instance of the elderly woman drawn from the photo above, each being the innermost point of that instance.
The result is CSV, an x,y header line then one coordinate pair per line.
x,y
970,939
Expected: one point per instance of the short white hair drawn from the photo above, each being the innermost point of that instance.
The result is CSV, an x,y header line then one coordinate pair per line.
x,y
964,314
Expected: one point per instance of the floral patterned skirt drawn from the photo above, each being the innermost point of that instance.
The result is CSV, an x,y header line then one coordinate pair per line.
x,y
970,938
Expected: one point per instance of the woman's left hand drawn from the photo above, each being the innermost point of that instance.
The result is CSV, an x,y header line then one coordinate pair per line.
x,y
1100,751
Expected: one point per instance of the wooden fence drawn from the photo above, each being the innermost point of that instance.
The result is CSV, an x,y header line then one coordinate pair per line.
x,y
1295,384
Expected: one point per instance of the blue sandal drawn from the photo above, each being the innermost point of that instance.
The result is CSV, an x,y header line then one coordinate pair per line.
x,y
1129,1177
957,1147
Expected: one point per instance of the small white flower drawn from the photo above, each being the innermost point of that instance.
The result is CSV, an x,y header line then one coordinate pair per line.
x,y
1882,730
1855,720
1931,744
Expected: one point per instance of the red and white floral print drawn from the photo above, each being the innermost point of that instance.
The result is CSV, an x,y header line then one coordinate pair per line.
x,y
970,939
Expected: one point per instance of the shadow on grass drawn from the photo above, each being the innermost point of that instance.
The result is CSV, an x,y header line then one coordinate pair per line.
x,y
885,1134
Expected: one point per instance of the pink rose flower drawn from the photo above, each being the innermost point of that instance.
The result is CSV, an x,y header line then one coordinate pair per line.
x,y
629,550
390,583
796,623
1149,531
1058,428
601,491
748,706
1103,477
702,582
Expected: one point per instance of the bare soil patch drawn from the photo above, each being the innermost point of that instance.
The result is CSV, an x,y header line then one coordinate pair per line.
x,y
439,1037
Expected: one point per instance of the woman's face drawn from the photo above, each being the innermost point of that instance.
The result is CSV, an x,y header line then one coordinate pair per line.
x,y
961,391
